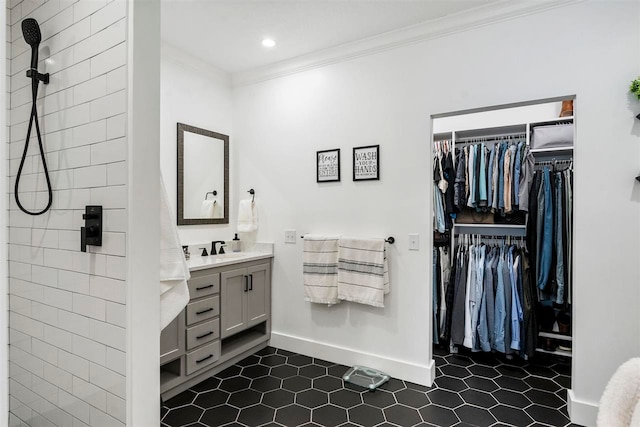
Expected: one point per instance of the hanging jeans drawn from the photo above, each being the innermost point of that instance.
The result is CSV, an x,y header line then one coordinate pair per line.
x,y
516,307
545,216
468,308
559,238
457,315
486,306
500,308
435,284
476,295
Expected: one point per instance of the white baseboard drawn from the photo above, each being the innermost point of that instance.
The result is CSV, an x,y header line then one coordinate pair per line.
x,y
581,412
412,372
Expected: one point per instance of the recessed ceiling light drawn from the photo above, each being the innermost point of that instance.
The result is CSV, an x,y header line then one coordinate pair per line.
x,y
268,43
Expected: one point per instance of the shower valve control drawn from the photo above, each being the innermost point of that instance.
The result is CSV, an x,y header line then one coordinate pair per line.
x,y
91,233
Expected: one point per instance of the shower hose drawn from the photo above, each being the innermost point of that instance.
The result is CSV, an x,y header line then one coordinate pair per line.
x,y
33,119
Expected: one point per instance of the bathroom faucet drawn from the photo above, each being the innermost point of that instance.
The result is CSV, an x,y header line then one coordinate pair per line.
x,y
213,247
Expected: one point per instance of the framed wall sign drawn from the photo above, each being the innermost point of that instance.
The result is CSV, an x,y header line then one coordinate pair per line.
x,y
366,163
328,165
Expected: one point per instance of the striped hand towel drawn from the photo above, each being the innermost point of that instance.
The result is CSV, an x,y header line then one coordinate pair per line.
x,y
363,274
320,269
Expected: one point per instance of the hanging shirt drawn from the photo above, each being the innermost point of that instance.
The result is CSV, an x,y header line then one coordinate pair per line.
x,y
468,331
472,177
507,180
516,175
459,197
516,307
438,209
490,177
483,176
503,149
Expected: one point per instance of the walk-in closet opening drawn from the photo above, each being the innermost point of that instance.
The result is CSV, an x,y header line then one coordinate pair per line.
x,y
502,273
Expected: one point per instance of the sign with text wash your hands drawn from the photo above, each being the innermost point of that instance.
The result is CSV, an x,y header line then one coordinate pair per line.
x,y
365,163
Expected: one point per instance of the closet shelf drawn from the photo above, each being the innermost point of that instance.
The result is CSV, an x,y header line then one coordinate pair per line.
x,y
556,352
491,225
552,150
556,336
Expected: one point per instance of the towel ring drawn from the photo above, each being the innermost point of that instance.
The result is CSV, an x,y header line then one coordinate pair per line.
x,y
214,192
253,194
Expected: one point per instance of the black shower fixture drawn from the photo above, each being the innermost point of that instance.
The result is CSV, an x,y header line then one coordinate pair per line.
x,y
33,37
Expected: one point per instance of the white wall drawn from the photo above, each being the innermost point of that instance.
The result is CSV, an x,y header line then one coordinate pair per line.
x,y
195,93
67,308
387,99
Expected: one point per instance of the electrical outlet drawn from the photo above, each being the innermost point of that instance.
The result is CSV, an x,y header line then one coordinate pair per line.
x,y
414,242
290,236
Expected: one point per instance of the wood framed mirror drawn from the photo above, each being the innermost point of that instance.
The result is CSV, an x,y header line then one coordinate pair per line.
x,y
203,176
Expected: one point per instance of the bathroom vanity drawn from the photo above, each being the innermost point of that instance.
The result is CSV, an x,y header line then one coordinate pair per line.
x,y
228,318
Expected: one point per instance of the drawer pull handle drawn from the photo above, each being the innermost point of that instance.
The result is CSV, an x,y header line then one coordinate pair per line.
x,y
204,358
199,337
246,283
204,311
251,282
204,287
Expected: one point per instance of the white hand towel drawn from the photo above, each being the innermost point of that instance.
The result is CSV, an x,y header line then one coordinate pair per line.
x,y
207,210
174,271
363,274
217,210
320,269
247,216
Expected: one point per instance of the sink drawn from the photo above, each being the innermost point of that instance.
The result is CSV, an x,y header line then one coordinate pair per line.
x,y
231,255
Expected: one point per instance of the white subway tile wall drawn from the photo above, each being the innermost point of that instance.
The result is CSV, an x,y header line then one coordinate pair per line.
x,y
67,320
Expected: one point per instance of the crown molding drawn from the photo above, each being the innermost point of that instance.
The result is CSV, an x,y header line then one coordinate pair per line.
x,y
503,10
185,60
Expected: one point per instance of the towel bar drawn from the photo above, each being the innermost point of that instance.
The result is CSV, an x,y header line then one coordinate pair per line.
x,y
390,240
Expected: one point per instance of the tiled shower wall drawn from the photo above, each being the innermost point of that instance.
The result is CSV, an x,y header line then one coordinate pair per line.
x,y
67,308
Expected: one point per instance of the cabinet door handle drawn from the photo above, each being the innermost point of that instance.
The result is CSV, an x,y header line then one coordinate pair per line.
x,y
251,282
204,311
246,283
204,358
199,337
204,287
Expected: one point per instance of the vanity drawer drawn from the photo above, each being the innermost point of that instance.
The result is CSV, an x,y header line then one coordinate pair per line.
x,y
204,285
203,310
202,357
201,334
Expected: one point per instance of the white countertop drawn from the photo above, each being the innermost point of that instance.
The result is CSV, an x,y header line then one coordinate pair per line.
x,y
197,262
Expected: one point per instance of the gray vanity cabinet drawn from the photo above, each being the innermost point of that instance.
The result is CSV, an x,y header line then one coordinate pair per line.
x,y
246,298
226,319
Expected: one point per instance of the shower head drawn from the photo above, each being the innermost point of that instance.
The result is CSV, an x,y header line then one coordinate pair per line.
x,y
31,32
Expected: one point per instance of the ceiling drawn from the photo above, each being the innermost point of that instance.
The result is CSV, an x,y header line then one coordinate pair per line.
x,y
228,33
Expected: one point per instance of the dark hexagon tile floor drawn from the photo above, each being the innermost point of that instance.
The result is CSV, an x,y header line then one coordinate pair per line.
x,y
277,388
